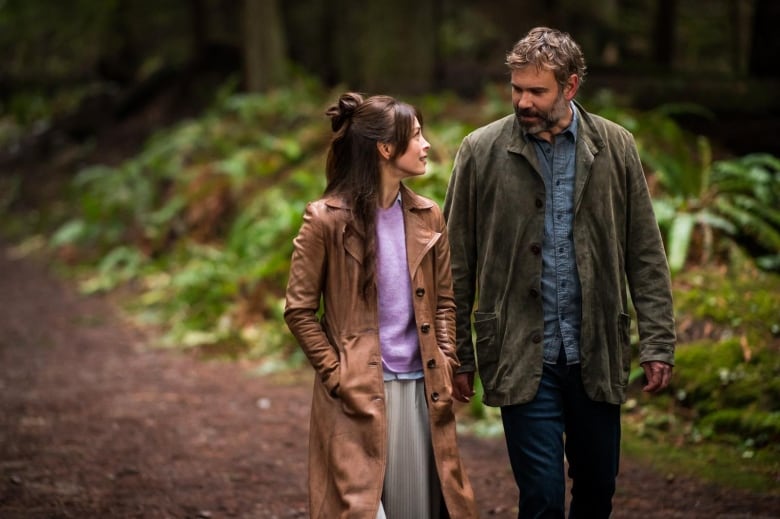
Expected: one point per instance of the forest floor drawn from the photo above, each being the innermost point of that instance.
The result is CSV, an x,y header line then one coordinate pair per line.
x,y
96,423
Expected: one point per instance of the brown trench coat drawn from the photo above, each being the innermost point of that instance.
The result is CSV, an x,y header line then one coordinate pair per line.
x,y
347,441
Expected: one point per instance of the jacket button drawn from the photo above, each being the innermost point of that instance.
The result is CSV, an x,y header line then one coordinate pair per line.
x,y
431,364
537,338
539,203
425,328
533,292
420,292
435,396
535,248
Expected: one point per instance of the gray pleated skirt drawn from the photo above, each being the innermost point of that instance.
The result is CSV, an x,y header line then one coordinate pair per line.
x,y
411,488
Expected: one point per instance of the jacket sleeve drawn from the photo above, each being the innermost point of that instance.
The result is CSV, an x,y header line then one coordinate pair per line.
x,y
304,289
647,270
460,213
445,301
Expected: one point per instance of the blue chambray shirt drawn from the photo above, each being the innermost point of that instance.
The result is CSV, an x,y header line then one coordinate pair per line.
x,y
561,291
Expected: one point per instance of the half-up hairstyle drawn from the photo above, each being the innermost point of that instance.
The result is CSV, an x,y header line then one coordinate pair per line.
x,y
352,167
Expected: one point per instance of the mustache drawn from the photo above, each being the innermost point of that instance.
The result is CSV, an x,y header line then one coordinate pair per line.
x,y
528,112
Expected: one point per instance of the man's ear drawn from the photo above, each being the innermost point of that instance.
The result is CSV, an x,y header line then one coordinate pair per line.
x,y
572,85
385,150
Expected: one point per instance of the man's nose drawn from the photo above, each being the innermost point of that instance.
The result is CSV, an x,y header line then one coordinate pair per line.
x,y
524,101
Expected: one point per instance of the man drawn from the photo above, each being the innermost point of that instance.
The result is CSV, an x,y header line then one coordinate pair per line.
x,y
550,220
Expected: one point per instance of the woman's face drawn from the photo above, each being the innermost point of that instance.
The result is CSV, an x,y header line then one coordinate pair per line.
x,y
413,161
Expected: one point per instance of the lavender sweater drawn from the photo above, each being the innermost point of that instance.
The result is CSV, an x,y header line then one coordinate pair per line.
x,y
397,329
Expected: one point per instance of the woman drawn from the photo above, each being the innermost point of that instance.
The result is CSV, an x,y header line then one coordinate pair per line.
x,y
382,440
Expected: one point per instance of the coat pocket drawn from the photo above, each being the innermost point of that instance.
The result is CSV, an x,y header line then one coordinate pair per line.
x,y
488,349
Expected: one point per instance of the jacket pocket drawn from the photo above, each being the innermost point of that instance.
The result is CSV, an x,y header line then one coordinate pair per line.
x,y
488,350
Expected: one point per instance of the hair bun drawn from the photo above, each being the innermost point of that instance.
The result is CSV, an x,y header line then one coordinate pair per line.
x,y
344,110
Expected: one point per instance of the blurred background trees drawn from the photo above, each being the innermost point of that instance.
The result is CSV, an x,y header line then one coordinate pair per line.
x,y
164,150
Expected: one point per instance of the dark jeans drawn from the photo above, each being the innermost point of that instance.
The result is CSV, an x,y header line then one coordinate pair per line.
x,y
535,434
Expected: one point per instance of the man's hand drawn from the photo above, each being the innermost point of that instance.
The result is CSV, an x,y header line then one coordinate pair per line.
x,y
463,386
658,375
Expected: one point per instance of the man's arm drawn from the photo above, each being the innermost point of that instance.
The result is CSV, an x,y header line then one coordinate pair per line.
x,y
649,279
460,213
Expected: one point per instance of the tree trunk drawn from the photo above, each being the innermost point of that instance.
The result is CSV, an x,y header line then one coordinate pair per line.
x,y
381,47
664,33
765,43
264,46
199,24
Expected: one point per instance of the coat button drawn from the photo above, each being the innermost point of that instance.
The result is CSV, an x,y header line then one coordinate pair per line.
x,y
533,293
539,202
537,338
435,396
535,248
425,328
431,364
420,292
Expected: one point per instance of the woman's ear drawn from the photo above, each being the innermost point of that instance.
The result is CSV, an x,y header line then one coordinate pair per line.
x,y
385,149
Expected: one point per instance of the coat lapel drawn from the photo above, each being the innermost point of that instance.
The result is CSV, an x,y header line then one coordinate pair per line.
x,y
420,238
352,235
588,145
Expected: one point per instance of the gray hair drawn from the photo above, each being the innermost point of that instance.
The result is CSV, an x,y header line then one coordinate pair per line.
x,y
549,49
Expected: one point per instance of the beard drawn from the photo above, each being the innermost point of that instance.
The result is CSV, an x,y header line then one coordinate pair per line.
x,y
546,120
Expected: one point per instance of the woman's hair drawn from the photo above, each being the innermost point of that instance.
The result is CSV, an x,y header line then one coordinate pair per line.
x,y
549,49
352,167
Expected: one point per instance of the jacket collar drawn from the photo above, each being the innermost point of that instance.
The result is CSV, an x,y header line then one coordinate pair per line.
x,y
589,143
587,133
409,199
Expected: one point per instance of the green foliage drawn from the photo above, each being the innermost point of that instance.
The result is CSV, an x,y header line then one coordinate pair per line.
x,y
200,222
725,390
744,299
713,376
735,366
704,206
762,427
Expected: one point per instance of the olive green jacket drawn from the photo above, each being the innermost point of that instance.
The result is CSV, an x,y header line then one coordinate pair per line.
x,y
495,217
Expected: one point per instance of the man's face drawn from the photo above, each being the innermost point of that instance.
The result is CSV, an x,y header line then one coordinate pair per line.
x,y
539,102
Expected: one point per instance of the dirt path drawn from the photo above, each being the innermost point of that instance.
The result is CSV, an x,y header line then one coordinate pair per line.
x,y
95,425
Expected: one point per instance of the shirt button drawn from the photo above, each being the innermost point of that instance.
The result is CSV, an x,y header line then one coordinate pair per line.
x,y
420,292
425,328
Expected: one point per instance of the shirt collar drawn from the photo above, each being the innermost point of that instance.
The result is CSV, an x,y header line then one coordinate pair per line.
x,y
575,121
398,202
